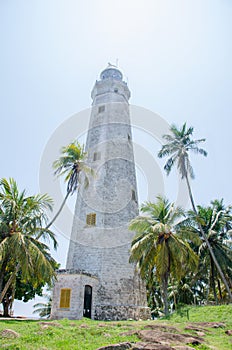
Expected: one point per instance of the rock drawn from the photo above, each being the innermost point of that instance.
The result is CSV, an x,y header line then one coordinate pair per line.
x,y
195,328
83,325
209,324
162,327
150,346
9,333
229,332
167,338
121,346
125,334
200,334
183,347
45,325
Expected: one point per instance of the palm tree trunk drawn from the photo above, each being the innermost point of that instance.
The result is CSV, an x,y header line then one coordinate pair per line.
x,y
207,242
2,274
213,280
6,306
219,289
165,293
8,283
59,211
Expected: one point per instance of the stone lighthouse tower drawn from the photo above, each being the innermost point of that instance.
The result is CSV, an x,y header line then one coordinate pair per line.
x,y
99,282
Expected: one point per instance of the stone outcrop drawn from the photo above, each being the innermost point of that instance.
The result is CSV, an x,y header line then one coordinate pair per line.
x,y
9,333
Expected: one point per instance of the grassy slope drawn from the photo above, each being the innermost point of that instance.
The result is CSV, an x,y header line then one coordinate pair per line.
x,y
89,335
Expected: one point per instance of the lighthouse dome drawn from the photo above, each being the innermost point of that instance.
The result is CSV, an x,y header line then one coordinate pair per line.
x,y
111,72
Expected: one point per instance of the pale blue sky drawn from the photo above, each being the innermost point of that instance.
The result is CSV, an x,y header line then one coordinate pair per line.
x,y
175,54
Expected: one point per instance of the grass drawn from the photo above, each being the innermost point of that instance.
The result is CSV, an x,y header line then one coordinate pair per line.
x,y
89,335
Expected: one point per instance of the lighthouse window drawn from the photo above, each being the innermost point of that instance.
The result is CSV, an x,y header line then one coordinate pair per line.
x,y
116,90
129,137
65,296
96,156
91,219
133,197
101,109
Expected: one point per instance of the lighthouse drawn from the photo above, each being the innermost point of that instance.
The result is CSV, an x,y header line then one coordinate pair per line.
x,y
99,282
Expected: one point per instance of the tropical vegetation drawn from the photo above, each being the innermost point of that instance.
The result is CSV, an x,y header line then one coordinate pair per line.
x,y
25,260
177,147
44,308
71,163
157,247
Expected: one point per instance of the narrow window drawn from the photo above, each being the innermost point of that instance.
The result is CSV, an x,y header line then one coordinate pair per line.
x,y
96,156
65,296
129,137
116,90
91,219
133,197
101,109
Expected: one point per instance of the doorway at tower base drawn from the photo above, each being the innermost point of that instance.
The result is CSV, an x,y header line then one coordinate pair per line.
x,y
77,294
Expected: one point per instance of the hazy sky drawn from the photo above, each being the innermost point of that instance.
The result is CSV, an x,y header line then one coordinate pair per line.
x,y
176,56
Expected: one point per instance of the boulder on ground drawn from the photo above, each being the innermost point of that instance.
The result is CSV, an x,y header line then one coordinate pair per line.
x,y
167,338
45,324
151,346
121,346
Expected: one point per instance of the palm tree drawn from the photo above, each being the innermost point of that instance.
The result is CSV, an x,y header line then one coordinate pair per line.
x,y
156,246
216,222
44,309
177,148
21,226
71,163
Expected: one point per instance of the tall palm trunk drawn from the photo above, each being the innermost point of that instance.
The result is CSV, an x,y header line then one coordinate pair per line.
x,y
9,282
213,280
6,307
2,275
59,211
219,289
165,292
207,242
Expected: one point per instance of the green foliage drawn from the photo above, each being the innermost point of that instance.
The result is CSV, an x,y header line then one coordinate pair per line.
x,y
157,249
24,259
179,143
216,222
71,164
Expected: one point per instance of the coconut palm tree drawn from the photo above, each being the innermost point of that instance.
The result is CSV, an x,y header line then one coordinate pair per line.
x,y
21,225
71,164
157,247
44,309
216,222
179,143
